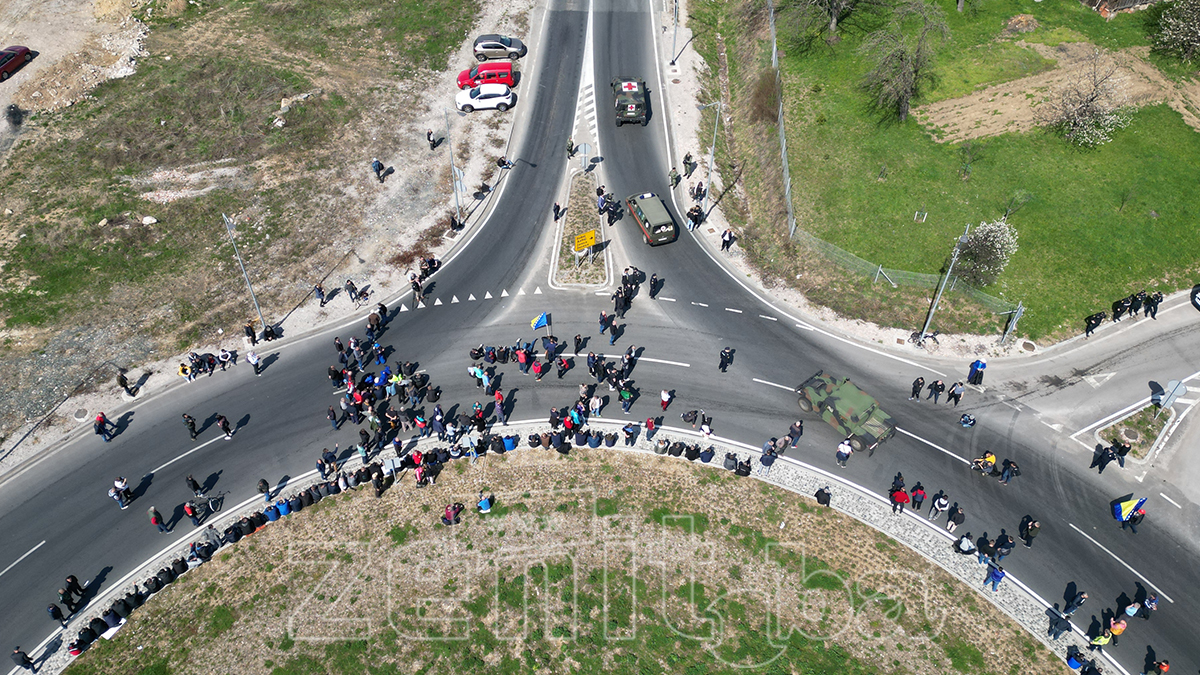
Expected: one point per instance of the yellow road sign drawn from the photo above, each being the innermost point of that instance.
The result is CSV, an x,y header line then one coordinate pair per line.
x,y
585,240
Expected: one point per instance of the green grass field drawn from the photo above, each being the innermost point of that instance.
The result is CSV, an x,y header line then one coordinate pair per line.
x,y
1080,248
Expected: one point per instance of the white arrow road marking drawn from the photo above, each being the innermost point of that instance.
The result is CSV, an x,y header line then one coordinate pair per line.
x,y
1098,379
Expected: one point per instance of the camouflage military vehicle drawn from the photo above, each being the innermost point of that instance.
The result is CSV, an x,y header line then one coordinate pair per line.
x,y
850,410
630,95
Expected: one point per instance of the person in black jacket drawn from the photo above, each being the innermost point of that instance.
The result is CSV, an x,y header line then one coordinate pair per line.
x,y
21,659
56,614
917,385
935,390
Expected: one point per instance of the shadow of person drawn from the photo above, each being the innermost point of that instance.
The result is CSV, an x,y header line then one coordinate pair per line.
x,y
176,516
241,423
1071,592
143,485
211,481
1150,660
122,423
51,649
94,586
1094,628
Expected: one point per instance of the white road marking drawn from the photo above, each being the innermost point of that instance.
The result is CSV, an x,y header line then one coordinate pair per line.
x,y
666,299
647,359
1098,379
520,291
27,554
1013,406
403,308
487,295
700,304
504,293
735,311
420,304
933,445
1140,404
601,292
808,327
773,384
437,301
453,299
198,447
1127,566
1173,502
470,297
537,291
768,318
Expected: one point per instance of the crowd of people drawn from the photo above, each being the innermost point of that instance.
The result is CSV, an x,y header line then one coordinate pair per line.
x,y
1143,302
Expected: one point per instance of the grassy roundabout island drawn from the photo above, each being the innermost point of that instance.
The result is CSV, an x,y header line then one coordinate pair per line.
x,y
593,562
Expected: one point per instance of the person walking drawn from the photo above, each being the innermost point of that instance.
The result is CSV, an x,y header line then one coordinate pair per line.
x,y
190,510
899,499
1158,668
1116,626
223,425
1134,520
935,390
726,239
377,167
918,496
939,504
1075,603
1097,643
1120,449
68,601
986,548
955,393
430,139
1102,457
726,358
994,576
56,614
688,165
1029,529
917,385
253,360
843,453
21,659
73,586
605,322
264,489
319,292
956,517
975,373
673,176
1149,606
194,487
123,383
190,423
156,520
333,418
570,148
1058,627
1010,471
101,427
665,399
577,343
1004,545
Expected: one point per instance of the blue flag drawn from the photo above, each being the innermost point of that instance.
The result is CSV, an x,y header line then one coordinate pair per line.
x,y
1124,510
540,322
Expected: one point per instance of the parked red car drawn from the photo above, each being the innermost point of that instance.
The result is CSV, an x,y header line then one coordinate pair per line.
x,y
12,58
487,73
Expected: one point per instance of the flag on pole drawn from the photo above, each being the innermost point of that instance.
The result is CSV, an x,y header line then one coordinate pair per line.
x,y
540,322
1122,511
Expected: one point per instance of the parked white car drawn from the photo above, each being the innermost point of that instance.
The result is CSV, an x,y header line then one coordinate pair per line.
x,y
485,97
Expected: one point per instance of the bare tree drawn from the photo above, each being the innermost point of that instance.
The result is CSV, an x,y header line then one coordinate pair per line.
x,y
1089,106
968,153
904,61
1179,29
825,16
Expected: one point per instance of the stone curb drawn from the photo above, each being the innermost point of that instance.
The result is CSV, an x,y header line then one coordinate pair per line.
x,y
916,532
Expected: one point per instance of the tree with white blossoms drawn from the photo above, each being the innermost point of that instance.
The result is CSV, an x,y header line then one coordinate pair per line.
x,y
986,252
1179,30
1090,106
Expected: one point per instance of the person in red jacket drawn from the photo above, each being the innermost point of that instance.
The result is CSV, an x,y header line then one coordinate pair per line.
x,y
899,499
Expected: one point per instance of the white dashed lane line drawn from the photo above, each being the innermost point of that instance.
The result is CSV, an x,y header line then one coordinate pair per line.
x,y
666,299
699,304
735,311
772,384
1127,565
768,318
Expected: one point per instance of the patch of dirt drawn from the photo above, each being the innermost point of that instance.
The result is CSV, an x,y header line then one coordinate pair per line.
x,y
579,220
1009,107
356,568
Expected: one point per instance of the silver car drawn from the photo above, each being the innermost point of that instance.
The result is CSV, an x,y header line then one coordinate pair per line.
x,y
499,47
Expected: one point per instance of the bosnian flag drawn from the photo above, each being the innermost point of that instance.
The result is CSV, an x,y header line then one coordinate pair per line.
x,y
1124,510
629,86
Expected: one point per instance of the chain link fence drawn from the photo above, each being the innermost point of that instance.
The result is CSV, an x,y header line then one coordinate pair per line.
x,y
846,259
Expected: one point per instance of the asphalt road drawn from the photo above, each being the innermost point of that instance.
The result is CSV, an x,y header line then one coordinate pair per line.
x,y
281,425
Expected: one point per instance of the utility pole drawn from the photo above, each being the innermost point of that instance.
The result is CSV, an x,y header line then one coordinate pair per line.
x,y
453,169
229,225
937,298
712,151
675,35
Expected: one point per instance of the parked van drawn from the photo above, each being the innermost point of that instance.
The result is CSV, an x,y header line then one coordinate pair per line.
x,y
497,72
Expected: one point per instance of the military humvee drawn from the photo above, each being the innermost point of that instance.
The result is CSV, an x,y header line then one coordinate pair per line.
x,y
848,409
630,95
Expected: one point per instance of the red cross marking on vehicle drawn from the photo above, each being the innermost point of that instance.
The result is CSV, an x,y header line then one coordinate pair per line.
x,y
629,86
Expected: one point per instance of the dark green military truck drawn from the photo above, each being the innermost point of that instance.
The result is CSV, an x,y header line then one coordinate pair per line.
x,y
630,95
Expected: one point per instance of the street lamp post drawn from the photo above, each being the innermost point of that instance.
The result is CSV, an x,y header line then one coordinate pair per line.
x,y
712,151
453,169
229,229
675,35
941,287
